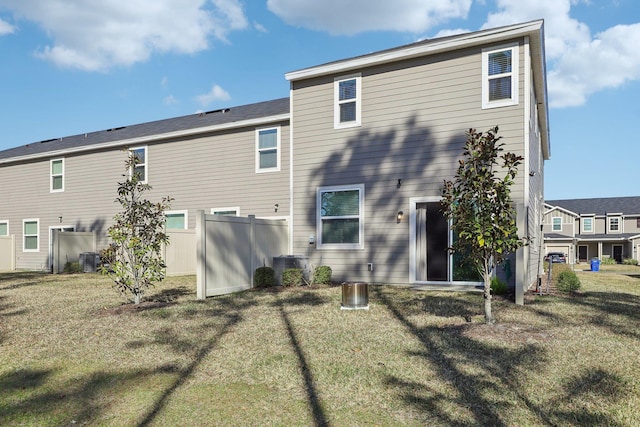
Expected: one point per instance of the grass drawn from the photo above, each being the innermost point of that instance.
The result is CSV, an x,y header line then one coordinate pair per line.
x,y
71,354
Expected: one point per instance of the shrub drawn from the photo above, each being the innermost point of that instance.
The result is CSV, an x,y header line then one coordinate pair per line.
x,y
71,267
608,261
498,286
630,261
568,282
264,277
292,277
322,275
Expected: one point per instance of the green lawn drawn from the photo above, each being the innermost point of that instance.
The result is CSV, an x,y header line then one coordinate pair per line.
x,y
70,354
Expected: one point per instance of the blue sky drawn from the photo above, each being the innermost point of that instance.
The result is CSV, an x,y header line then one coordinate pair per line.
x,y
75,66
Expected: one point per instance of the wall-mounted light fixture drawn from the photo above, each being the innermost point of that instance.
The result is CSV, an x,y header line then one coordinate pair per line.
x,y
275,207
532,173
399,183
60,219
399,217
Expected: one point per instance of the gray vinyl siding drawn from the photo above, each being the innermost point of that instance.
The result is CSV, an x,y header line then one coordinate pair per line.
x,y
214,170
414,117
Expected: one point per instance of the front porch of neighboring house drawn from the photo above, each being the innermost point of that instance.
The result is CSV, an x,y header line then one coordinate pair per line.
x,y
583,248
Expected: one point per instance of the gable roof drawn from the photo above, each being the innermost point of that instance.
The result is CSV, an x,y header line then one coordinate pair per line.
x,y
210,121
599,206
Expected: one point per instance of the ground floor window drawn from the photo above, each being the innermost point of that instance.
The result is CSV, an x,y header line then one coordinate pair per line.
x,y
4,228
31,235
176,220
340,217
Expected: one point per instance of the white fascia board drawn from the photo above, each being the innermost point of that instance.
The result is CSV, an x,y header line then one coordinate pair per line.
x,y
462,41
149,138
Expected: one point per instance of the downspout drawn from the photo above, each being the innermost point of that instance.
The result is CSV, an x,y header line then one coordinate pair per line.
x,y
291,168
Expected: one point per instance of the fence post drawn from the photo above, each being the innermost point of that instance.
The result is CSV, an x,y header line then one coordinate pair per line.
x,y
201,255
252,266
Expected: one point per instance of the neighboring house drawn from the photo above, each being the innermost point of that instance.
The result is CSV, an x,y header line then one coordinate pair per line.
x,y
593,228
354,159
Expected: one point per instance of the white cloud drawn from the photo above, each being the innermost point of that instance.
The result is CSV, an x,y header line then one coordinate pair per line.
x,y
164,82
6,28
578,63
215,94
170,100
356,16
97,35
260,27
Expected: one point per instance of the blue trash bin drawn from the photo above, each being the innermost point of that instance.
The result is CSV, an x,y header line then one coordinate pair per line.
x,y
595,264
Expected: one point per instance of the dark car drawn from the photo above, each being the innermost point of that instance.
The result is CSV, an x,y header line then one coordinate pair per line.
x,y
555,257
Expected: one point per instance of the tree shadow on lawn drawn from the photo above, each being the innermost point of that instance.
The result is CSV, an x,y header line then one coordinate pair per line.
x,y
21,279
609,305
26,397
473,361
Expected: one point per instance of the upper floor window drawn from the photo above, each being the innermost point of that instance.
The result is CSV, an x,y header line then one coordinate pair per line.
x,y
347,101
268,149
587,225
234,211
614,224
31,235
340,217
556,223
4,228
500,76
176,220
141,167
57,175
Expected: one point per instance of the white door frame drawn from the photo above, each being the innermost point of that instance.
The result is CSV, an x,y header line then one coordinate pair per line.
x,y
51,228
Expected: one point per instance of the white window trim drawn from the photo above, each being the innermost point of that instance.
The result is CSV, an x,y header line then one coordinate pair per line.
x,y
361,216
553,225
37,221
584,230
183,212
5,221
619,219
515,71
277,168
145,164
336,101
51,176
232,208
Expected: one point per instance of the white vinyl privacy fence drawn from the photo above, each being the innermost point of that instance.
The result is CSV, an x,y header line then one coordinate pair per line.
x,y
180,254
229,249
7,253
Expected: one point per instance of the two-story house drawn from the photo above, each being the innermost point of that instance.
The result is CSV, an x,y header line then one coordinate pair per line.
x,y
354,160
593,228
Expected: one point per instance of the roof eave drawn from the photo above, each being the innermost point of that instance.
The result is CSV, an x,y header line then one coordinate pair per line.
x,y
147,139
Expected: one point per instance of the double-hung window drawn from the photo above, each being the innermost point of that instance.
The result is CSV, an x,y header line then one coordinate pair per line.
x,y
340,217
268,149
57,175
614,224
556,223
176,220
141,163
4,228
31,235
587,225
500,76
347,101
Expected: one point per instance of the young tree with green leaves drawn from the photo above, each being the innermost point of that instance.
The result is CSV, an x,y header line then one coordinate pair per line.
x,y
478,203
133,259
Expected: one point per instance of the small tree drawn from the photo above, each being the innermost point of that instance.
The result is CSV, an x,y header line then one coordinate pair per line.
x,y
478,202
138,233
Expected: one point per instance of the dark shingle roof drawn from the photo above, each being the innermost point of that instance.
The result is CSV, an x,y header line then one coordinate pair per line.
x,y
600,206
159,127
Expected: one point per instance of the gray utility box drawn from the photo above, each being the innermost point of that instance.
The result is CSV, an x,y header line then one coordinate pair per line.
x,y
89,262
281,263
